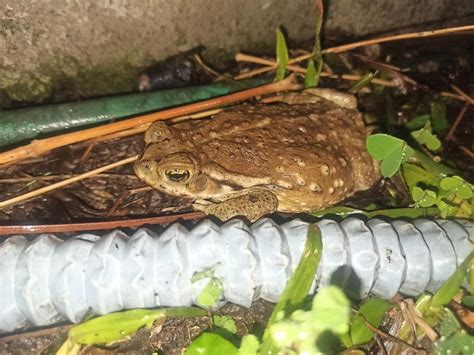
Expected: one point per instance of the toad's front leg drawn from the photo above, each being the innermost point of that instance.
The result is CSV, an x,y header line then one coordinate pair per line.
x,y
253,205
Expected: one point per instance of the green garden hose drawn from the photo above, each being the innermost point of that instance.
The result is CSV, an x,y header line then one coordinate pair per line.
x,y
29,123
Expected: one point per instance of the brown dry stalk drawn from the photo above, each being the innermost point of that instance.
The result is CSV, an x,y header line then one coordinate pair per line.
x,y
31,179
457,121
463,94
347,47
38,147
391,337
92,226
63,183
143,128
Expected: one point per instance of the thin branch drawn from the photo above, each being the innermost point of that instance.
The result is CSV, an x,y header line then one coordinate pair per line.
x,y
391,337
66,182
463,94
58,177
456,123
422,34
143,128
38,147
80,227
467,151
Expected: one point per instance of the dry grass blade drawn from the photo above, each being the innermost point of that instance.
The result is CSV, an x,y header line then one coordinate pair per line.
x,y
63,183
38,147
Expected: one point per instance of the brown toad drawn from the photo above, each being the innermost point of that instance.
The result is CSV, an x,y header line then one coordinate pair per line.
x,y
304,154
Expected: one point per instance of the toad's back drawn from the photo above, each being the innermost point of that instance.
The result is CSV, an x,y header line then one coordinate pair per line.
x,y
310,156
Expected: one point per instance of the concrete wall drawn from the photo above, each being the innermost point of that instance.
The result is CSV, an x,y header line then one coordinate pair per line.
x,y
96,47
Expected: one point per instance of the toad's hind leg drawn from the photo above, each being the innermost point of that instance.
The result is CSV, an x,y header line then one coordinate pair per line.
x,y
253,205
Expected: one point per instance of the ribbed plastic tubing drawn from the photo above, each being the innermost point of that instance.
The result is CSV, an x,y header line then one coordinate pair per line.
x,y
46,280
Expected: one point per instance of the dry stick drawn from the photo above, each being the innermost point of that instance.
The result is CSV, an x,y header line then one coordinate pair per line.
x,y
59,184
32,179
92,226
143,128
456,123
347,47
391,337
41,146
463,94
467,151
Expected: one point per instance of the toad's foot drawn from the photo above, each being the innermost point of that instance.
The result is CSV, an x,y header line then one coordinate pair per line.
x,y
252,205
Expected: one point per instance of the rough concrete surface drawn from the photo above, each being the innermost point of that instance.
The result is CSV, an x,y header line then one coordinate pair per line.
x,y
96,47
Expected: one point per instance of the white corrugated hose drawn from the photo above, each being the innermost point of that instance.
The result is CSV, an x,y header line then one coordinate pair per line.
x,y
48,279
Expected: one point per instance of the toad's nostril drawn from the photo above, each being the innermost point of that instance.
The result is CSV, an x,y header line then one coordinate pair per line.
x,y
146,165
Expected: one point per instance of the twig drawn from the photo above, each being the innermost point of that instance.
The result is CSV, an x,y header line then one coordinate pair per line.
x,y
56,177
457,121
467,151
380,344
143,128
41,146
391,337
207,68
347,47
80,227
241,57
87,152
59,184
463,94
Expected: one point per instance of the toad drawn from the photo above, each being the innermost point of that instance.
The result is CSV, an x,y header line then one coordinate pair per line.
x,y
303,153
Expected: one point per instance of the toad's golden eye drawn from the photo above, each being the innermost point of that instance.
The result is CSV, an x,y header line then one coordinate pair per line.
x,y
177,174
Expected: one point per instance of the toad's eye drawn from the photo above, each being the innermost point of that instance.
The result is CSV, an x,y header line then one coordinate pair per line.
x,y
177,174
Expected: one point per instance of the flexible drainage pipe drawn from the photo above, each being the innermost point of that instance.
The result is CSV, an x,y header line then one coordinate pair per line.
x,y
47,280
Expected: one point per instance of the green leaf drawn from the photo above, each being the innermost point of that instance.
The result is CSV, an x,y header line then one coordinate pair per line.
x,y
225,322
438,116
417,122
423,198
211,344
282,55
310,76
116,326
211,293
373,311
298,286
449,324
433,167
468,301
390,150
415,175
331,310
454,339
449,289
361,83
458,185
391,163
426,137
249,345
